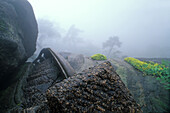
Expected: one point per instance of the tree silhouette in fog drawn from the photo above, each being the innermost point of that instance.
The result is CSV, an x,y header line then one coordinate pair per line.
x,y
73,35
72,39
59,39
111,44
49,34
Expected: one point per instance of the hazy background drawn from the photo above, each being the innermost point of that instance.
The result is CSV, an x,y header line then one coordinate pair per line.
x,y
81,26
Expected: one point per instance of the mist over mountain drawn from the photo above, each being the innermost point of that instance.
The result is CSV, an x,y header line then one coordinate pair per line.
x,y
51,35
142,26
84,56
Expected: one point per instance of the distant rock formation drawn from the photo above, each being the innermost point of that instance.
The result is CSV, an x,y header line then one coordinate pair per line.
x,y
79,62
75,60
98,89
18,34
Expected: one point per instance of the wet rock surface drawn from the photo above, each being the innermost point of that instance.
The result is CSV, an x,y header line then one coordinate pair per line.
x,y
13,95
18,34
98,89
64,63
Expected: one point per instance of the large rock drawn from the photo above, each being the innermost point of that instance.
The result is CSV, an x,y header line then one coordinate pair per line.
x,y
18,34
98,89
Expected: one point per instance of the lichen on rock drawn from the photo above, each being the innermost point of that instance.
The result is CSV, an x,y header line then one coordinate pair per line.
x,y
98,89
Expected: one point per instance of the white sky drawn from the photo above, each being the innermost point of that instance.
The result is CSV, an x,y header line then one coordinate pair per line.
x,y
140,24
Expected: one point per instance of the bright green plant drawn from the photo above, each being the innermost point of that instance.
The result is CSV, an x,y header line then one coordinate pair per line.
x,y
161,71
99,57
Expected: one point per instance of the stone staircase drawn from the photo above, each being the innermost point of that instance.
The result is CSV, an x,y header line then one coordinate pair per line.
x,y
42,77
45,72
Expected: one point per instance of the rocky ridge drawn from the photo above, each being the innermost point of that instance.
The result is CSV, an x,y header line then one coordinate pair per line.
x,y
98,89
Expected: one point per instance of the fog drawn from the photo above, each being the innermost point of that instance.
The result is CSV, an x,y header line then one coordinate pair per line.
x,y
62,40
82,26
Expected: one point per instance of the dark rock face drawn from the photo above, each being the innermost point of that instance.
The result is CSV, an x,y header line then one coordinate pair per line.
x,y
18,34
98,89
13,95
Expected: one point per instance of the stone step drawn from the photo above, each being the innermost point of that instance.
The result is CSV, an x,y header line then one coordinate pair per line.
x,y
38,81
41,73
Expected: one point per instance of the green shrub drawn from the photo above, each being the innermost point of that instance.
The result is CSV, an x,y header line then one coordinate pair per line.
x,y
99,57
161,71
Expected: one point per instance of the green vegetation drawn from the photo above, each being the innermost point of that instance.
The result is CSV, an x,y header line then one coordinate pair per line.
x,y
161,71
99,57
161,106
